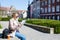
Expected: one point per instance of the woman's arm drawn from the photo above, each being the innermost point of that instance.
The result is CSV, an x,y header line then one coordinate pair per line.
x,y
20,25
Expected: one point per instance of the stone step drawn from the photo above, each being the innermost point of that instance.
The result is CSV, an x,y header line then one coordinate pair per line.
x,y
10,39
15,38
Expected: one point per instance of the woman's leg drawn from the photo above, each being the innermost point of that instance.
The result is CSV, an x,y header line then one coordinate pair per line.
x,y
20,36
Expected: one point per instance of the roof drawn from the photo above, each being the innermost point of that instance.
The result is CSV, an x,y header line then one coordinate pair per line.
x,y
20,11
8,9
5,8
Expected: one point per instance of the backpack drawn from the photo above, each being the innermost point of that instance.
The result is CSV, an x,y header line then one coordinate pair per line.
x,y
5,33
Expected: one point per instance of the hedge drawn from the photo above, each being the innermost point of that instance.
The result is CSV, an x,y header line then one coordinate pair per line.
x,y
0,17
5,19
46,22
20,19
0,26
8,18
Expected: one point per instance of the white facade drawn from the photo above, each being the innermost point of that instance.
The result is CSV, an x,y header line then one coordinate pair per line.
x,y
25,14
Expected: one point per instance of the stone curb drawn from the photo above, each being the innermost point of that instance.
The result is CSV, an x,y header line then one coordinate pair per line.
x,y
43,29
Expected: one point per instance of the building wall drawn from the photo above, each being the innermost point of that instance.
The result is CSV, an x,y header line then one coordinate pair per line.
x,y
25,14
35,9
3,13
50,9
46,9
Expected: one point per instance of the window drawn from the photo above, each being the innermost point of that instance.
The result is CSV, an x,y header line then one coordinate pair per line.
x,y
45,2
53,17
4,12
45,10
57,8
38,8
34,7
42,3
42,10
38,5
53,1
57,17
57,0
36,0
38,11
49,1
53,9
49,9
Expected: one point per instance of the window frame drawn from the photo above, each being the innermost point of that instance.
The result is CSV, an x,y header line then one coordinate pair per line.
x,y
57,8
49,9
53,1
53,8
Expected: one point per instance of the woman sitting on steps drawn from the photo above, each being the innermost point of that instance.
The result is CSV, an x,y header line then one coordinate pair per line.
x,y
14,25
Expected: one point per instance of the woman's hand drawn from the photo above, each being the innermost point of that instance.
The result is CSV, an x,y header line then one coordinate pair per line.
x,y
19,25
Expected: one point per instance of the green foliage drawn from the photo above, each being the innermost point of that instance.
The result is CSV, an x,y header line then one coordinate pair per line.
x,y
46,22
0,26
5,19
8,18
0,17
20,19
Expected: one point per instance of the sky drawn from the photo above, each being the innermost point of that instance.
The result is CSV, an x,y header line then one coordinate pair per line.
x,y
18,4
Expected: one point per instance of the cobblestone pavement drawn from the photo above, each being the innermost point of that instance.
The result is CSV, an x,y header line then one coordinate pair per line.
x,y
32,34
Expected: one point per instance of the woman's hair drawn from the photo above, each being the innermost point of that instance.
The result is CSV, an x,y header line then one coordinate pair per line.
x,y
13,14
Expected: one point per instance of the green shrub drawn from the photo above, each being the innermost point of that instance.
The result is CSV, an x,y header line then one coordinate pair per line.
x,y
8,18
46,22
0,26
0,18
5,19
20,19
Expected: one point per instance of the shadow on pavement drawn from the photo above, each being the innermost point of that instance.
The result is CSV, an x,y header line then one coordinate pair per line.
x,y
0,35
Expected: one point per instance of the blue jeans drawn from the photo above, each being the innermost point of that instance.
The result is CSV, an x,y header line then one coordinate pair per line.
x,y
20,36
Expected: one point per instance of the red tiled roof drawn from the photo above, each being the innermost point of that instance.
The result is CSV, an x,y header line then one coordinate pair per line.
x,y
8,9
20,11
